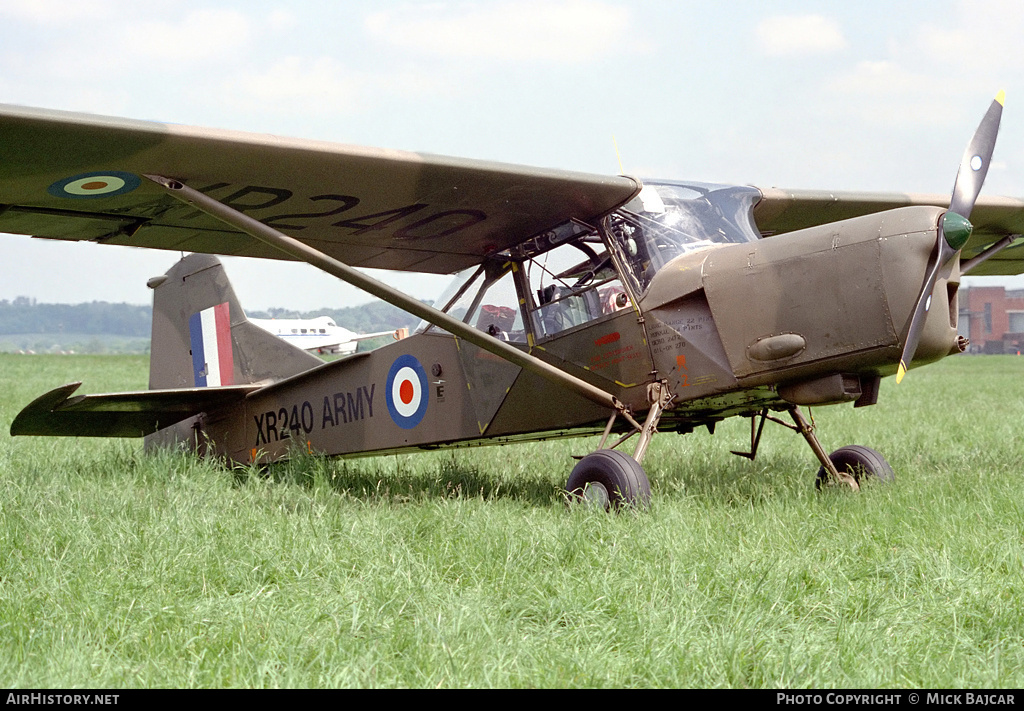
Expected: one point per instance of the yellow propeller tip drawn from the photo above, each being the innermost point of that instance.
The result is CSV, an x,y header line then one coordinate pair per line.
x,y
1001,97
900,372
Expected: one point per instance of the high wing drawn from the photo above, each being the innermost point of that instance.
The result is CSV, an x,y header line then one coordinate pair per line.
x,y
132,414
80,177
993,218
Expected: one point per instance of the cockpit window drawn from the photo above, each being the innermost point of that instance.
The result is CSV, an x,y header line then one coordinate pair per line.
x,y
572,285
669,219
457,287
554,283
485,297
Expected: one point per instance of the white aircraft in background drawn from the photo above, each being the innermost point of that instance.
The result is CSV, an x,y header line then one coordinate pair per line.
x,y
320,334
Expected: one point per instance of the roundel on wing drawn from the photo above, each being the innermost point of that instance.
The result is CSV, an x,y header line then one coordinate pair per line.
x,y
94,185
406,392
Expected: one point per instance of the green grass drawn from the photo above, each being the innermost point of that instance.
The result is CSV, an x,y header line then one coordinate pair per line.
x,y
73,343
467,569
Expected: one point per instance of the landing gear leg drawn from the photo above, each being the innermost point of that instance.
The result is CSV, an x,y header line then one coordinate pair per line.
x,y
659,397
807,430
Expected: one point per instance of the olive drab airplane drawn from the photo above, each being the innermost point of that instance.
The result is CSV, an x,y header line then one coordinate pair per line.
x,y
581,304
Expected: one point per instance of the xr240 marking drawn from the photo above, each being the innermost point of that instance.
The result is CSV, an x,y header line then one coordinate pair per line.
x,y
338,408
413,222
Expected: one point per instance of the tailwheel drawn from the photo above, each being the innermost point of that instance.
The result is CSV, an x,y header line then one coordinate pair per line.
x,y
862,463
610,479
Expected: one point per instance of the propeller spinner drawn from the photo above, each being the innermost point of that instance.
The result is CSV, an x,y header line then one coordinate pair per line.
x,y
955,229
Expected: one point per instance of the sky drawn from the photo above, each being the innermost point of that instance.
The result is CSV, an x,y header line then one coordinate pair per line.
x,y
824,95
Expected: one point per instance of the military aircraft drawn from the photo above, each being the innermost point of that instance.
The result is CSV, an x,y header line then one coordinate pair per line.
x,y
320,334
581,304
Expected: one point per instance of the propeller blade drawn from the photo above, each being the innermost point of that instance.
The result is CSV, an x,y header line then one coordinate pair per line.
x,y
974,164
924,303
954,230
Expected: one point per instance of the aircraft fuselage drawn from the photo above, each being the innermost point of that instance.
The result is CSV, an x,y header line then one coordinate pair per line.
x,y
810,317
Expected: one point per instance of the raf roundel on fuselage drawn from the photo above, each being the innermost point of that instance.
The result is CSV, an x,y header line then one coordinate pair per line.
x,y
406,392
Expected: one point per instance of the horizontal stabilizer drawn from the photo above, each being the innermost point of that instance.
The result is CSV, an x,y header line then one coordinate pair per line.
x,y
131,414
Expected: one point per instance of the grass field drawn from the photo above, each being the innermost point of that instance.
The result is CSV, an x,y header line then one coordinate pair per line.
x,y
467,569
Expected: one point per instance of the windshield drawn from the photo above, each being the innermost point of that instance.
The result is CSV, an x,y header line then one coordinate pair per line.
x,y
668,219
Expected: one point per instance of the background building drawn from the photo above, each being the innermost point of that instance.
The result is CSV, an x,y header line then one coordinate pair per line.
x,y
993,318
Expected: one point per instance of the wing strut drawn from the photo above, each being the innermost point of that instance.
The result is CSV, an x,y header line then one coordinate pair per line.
x,y
991,251
305,253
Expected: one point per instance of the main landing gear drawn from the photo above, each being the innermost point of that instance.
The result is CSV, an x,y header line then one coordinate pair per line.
x,y
612,479
847,466
859,462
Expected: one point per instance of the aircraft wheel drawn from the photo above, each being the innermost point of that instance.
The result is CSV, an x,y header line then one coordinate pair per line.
x,y
610,479
861,462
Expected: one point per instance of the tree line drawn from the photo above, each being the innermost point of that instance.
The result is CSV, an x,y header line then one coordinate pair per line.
x,y
25,315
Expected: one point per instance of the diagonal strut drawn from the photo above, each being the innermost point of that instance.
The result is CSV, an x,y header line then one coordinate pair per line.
x,y
318,259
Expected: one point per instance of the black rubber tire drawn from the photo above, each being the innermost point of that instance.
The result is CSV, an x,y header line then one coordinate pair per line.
x,y
623,480
861,462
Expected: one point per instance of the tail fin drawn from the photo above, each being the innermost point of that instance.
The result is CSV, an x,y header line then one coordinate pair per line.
x,y
201,337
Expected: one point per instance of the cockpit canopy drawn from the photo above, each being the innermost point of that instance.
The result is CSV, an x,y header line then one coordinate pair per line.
x,y
668,219
564,278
